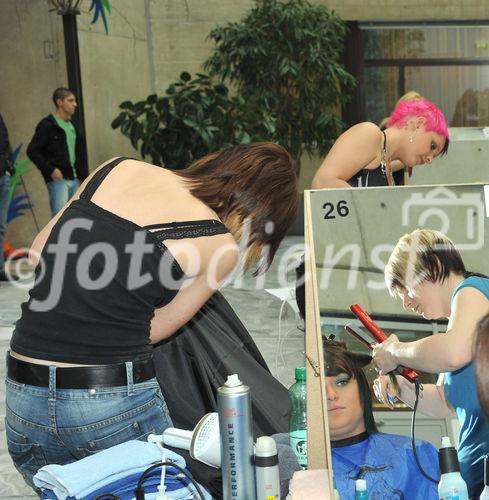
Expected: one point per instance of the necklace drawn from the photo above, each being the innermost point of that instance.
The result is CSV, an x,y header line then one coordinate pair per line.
x,y
386,170
384,164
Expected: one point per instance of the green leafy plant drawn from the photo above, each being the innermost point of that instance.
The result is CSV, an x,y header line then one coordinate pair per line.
x,y
194,117
281,62
285,55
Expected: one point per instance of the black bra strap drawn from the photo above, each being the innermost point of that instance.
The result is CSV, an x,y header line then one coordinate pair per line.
x,y
385,142
186,229
184,224
99,177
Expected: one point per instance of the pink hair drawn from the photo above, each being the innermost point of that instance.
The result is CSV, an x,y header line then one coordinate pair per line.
x,y
435,120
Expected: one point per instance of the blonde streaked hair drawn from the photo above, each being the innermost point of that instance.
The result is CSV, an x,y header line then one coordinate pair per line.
x,y
411,95
423,255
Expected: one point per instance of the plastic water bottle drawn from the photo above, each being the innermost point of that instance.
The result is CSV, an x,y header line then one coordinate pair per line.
x,y
485,492
361,489
298,416
451,485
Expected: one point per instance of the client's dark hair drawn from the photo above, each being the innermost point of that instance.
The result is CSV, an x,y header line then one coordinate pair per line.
x,y
338,359
481,362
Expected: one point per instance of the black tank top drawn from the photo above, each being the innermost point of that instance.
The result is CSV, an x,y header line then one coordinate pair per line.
x,y
376,176
89,305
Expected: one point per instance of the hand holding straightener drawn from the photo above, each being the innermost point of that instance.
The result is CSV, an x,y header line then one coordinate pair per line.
x,y
385,388
383,358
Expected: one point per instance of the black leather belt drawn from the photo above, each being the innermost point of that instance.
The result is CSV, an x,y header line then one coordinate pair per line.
x,y
79,377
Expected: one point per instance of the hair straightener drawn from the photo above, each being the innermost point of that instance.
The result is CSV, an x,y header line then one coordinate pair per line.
x,y
378,336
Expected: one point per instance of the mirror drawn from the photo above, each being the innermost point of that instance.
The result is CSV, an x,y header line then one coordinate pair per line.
x,y
350,234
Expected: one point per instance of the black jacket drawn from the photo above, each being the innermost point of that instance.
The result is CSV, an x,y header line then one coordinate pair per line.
x,y
5,150
48,150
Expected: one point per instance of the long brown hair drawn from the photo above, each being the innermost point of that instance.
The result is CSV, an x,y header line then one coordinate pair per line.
x,y
481,363
252,184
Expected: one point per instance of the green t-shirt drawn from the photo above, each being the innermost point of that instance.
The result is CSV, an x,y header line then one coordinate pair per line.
x,y
70,133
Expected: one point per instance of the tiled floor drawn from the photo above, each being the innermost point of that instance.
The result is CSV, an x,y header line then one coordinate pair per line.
x,y
280,342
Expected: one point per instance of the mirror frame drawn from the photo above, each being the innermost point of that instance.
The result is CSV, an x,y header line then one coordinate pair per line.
x,y
318,440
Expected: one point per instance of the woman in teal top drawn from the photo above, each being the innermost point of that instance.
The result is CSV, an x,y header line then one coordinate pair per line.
x,y
427,272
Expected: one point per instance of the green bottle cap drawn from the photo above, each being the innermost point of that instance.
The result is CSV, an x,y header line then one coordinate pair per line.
x,y
300,374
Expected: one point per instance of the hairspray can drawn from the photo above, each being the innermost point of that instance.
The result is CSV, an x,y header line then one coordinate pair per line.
x,y
266,468
235,425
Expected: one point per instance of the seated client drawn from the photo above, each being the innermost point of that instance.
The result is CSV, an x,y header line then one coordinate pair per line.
x,y
358,449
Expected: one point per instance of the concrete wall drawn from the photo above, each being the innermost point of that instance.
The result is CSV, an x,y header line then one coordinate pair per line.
x,y
32,65
114,68
179,29
409,10
149,43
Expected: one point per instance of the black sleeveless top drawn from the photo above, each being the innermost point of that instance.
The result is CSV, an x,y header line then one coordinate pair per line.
x,y
101,278
376,176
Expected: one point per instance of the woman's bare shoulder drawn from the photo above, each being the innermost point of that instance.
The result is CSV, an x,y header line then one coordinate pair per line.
x,y
355,149
366,128
364,135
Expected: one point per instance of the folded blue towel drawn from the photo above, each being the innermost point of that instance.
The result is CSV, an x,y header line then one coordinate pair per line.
x,y
178,487
80,479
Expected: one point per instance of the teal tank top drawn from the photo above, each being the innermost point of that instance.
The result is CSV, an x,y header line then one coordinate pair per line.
x,y
460,391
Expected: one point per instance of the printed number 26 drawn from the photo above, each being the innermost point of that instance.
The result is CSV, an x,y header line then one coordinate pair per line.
x,y
341,208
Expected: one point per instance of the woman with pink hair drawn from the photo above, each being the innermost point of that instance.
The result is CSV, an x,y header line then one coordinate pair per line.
x,y
365,155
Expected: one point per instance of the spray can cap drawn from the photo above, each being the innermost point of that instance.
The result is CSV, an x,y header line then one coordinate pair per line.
x,y
300,374
360,485
445,442
233,381
265,447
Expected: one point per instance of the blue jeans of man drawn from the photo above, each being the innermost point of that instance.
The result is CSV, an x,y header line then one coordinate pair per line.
x,y
4,189
60,192
46,425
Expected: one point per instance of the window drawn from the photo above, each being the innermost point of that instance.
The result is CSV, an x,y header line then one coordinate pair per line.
x,y
447,63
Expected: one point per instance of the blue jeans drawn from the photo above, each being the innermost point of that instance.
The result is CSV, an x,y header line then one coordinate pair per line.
x,y
45,425
4,188
60,192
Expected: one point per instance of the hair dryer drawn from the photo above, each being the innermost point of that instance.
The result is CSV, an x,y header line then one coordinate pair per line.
x,y
203,443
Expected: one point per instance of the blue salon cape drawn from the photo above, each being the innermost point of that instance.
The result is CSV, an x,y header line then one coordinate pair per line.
x,y
387,463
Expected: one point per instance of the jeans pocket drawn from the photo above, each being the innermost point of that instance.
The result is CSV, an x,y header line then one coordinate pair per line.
x,y
27,455
138,427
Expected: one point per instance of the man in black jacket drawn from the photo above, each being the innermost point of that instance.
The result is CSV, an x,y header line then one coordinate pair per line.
x,y
58,150
6,170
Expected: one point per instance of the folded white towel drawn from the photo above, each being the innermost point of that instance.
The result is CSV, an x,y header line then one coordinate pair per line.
x,y
89,474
